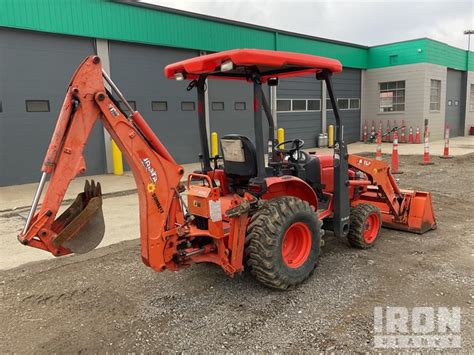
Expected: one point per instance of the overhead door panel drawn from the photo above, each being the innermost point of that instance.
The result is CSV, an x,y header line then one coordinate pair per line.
x,y
231,108
347,89
299,108
169,109
35,69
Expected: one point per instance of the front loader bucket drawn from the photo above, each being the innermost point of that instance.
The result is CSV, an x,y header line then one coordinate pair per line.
x,y
81,227
419,216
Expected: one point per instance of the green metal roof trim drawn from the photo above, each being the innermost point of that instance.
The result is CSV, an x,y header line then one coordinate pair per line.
x,y
349,56
116,20
126,22
423,50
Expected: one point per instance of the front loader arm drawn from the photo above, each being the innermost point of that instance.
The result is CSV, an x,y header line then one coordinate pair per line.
x,y
380,175
156,174
406,210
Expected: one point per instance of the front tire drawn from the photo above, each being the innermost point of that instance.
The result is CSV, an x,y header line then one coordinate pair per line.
x,y
366,222
284,242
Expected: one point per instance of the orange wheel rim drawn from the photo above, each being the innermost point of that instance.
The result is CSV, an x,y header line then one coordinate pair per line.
x,y
371,228
296,245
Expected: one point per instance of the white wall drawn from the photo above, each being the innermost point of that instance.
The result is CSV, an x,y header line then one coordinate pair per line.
x,y
436,118
417,97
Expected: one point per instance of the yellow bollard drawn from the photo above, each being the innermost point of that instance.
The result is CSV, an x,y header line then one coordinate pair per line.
x,y
281,136
117,159
214,145
331,136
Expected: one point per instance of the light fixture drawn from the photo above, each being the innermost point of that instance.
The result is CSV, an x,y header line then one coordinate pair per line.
x,y
179,76
227,65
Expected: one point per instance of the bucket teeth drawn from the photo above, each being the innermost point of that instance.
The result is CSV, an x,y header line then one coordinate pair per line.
x,y
92,189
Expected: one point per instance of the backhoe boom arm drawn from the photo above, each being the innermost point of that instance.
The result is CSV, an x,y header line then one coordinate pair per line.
x,y
156,174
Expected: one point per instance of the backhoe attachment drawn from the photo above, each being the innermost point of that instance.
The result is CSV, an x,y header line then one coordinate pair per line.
x,y
80,228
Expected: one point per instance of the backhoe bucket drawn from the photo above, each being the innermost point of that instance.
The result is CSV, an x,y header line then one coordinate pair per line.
x,y
82,225
419,217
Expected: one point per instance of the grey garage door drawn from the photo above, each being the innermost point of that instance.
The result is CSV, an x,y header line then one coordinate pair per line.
x,y
35,69
169,109
299,108
231,108
455,103
347,90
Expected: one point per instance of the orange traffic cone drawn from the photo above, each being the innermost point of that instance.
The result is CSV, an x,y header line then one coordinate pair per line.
x,y
426,152
417,135
446,145
395,154
378,151
410,136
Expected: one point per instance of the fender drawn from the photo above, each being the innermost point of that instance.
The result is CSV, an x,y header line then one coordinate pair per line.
x,y
288,185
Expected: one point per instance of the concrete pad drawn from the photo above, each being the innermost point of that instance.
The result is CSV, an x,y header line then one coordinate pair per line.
x,y
457,146
21,196
121,223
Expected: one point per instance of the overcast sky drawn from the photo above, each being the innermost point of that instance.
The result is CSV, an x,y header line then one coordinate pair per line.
x,y
363,22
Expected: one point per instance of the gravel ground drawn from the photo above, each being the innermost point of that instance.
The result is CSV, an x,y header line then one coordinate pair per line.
x,y
108,301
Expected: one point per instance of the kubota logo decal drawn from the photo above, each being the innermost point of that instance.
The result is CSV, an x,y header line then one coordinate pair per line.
x,y
151,171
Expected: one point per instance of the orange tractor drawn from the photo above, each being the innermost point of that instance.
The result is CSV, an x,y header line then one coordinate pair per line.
x,y
240,210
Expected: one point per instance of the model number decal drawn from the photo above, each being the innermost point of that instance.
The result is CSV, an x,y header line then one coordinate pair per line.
x,y
364,162
112,110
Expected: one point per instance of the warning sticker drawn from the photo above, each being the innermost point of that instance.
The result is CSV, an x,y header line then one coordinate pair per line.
x,y
233,150
215,211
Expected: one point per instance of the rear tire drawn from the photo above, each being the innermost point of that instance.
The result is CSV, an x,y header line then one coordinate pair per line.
x,y
284,242
366,222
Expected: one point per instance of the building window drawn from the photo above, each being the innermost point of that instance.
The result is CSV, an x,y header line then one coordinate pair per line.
x,y
471,98
240,106
314,105
283,105
37,105
1,107
435,95
187,106
298,105
392,96
217,106
159,106
354,104
343,104
347,104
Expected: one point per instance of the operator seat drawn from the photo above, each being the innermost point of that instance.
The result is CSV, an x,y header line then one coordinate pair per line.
x,y
240,157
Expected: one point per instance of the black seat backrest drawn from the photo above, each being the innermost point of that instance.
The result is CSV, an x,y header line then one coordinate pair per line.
x,y
240,157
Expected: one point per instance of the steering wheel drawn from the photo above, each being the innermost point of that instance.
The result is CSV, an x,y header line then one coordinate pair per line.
x,y
294,150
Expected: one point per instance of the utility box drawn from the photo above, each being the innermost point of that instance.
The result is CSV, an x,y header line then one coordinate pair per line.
x,y
322,140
